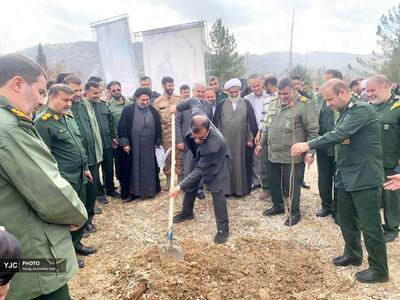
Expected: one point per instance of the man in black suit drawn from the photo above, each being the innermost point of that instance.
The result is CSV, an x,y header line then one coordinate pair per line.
x,y
211,161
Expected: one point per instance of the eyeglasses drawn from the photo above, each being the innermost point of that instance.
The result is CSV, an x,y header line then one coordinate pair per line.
x,y
115,91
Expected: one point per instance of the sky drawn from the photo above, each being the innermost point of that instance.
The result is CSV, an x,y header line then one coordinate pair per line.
x,y
259,26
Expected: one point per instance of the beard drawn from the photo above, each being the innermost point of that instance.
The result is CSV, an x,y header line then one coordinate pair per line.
x,y
234,98
376,100
117,95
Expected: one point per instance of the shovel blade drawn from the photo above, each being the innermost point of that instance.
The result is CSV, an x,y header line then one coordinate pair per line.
x,y
170,253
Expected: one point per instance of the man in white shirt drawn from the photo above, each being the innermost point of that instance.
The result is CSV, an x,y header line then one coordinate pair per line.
x,y
257,98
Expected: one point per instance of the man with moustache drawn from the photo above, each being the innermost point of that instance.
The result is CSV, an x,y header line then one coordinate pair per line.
x,y
60,133
162,105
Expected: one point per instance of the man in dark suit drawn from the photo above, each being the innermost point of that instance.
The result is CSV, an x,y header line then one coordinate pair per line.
x,y
211,161
183,117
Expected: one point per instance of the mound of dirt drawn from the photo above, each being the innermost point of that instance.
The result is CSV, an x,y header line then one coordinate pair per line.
x,y
246,269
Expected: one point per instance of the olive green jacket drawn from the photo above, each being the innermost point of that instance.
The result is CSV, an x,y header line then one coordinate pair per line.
x,y
98,143
358,147
116,109
36,203
105,122
389,118
286,125
61,134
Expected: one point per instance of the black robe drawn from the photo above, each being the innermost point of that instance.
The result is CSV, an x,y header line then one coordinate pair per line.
x,y
125,131
251,120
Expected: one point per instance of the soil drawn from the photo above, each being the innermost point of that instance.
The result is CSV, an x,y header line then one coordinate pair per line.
x,y
263,259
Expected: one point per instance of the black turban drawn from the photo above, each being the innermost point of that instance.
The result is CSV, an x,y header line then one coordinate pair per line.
x,y
142,91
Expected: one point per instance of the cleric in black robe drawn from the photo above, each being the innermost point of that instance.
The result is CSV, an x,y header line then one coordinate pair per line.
x,y
139,133
236,120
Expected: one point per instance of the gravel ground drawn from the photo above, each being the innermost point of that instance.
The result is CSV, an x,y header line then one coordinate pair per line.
x,y
263,259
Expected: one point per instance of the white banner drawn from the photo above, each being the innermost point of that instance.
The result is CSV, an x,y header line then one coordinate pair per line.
x,y
178,53
116,52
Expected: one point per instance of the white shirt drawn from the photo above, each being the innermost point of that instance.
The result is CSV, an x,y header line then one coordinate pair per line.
x,y
258,102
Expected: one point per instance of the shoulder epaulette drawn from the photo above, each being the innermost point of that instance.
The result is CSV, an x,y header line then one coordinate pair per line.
x,y
19,114
304,99
396,105
356,95
45,116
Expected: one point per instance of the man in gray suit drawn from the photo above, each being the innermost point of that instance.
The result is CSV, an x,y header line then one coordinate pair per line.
x,y
183,116
211,162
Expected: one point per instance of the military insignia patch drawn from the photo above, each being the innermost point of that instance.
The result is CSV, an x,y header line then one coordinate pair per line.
x,y
46,116
56,117
396,105
346,141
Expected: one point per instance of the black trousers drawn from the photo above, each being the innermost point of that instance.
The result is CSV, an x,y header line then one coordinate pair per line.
x,y
220,210
280,184
107,168
91,192
326,180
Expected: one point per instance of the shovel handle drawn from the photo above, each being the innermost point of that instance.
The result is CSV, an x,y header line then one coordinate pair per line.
x,y
171,199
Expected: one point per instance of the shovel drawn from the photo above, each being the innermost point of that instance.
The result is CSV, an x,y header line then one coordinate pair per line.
x,y
171,252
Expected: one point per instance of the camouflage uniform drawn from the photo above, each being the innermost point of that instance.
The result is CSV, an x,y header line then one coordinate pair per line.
x,y
161,104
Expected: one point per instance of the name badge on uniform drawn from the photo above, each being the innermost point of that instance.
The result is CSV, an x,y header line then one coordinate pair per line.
x,y
346,141
386,126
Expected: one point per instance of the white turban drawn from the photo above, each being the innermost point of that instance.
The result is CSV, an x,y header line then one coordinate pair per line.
x,y
233,82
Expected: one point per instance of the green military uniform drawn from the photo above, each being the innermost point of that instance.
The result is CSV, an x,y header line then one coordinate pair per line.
x,y
265,164
389,117
106,126
61,134
326,158
278,136
359,179
90,133
116,107
37,204
220,96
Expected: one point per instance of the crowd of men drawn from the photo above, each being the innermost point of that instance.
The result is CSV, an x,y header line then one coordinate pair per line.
x,y
227,142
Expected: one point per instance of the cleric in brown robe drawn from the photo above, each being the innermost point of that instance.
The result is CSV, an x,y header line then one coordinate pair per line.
x,y
139,133
236,120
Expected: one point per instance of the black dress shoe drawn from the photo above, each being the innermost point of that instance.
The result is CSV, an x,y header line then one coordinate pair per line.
x,y
85,234
81,263
97,210
293,220
102,199
90,228
273,211
390,236
201,196
368,276
221,237
114,194
128,199
323,212
182,218
305,185
344,261
83,250
256,186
